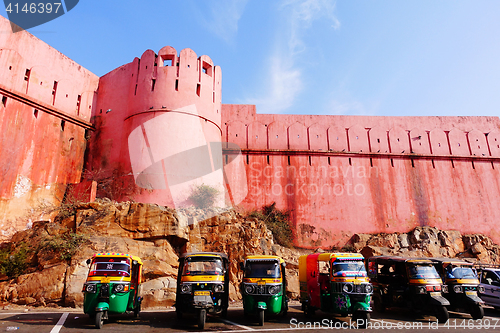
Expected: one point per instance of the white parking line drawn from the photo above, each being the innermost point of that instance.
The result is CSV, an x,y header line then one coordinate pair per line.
x,y
235,324
60,323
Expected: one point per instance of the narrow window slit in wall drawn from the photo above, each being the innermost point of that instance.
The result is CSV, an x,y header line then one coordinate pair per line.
x,y
288,160
167,62
350,163
310,161
35,113
248,160
213,99
473,166
267,159
198,89
176,85
492,165
10,68
392,163
329,161
63,124
78,103
227,159
433,166
452,164
54,90
4,101
135,91
27,75
412,163
371,162
153,83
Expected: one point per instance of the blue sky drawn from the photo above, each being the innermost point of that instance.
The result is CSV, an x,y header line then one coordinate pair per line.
x,y
386,58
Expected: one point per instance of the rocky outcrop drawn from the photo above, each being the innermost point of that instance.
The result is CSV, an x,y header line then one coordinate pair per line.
x,y
56,252
428,242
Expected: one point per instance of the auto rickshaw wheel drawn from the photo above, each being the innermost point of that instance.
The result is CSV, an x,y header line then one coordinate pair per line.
x,y
477,312
309,312
137,310
202,318
261,317
377,303
364,316
99,320
442,314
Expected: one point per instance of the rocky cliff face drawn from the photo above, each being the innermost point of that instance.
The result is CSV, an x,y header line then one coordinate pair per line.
x,y
52,255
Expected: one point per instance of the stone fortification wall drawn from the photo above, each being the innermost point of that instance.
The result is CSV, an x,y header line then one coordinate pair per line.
x,y
341,175
45,105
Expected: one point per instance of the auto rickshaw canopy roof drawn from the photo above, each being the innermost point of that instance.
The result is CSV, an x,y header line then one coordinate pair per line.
x,y
337,256
118,255
453,261
204,254
386,259
264,257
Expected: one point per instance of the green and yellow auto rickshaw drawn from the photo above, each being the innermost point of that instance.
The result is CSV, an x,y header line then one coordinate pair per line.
x,y
264,286
202,285
461,285
335,283
112,286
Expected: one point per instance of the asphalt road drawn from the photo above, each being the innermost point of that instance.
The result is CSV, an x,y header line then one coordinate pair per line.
x,y
63,321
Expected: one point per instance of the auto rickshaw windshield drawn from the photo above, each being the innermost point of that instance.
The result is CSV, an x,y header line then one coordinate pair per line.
x,y
203,266
423,272
460,272
262,269
110,267
349,266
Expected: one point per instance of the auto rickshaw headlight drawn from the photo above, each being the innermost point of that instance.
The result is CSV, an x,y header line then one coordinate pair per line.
x,y
273,290
421,290
218,288
120,288
249,289
480,289
185,288
368,288
458,289
444,288
347,287
90,288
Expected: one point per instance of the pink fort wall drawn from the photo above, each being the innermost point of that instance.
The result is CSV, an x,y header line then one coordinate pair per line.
x,y
45,106
341,175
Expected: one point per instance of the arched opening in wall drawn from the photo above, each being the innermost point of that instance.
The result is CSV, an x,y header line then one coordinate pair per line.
x,y
54,90
207,68
63,124
167,60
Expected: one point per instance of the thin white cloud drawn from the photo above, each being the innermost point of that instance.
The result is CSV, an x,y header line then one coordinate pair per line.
x,y
285,81
223,18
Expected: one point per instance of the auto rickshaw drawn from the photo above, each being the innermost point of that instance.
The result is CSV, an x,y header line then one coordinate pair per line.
x,y
335,283
461,284
202,285
112,286
407,283
264,286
